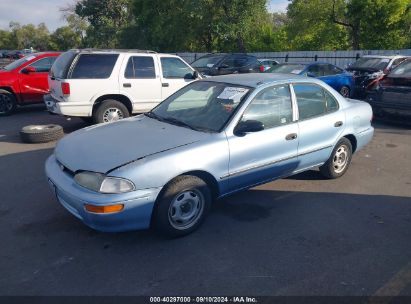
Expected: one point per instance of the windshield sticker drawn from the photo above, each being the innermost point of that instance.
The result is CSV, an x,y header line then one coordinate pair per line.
x,y
210,65
233,93
385,60
29,58
296,71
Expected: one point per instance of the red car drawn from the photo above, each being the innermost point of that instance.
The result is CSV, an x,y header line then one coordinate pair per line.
x,y
24,81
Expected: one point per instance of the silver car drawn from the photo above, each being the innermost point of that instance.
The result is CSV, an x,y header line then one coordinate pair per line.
x,y
210,139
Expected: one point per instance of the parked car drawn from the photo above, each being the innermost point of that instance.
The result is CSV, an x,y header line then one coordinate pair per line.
x,y
24,81
337,78
16,54
210,139
368,70
392,96
108,85
223,64
267,64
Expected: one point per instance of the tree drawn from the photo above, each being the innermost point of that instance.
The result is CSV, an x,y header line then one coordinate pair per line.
x,y
65,38
195,25
373,24
106,19
310,27
28,36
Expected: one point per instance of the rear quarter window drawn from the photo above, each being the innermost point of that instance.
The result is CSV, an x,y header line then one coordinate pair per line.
x,y
62,65
94,66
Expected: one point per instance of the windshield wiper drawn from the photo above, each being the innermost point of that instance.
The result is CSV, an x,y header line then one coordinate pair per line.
x,y
180,123
153,115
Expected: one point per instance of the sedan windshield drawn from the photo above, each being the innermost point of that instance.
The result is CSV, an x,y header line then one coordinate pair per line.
x,y
288,68
403,70
202,105
17,63
377,64
207,61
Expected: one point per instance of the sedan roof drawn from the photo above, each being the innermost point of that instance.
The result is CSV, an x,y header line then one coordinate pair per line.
x,y
254,80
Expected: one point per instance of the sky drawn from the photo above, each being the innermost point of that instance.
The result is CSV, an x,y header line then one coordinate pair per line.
x,y
48,11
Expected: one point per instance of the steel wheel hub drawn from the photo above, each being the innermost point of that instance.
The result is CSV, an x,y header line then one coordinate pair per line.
x,y
185,209
112,114
340,159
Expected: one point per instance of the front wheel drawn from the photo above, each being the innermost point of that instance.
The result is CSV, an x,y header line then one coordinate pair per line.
x,y
345,91
339,161
182,206
110,110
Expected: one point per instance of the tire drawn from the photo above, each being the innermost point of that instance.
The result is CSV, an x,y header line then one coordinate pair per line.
x,y
339,161
7,103
345,92
110,110
41,133
184,192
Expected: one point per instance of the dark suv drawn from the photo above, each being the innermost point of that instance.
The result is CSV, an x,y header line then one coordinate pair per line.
x,y
222,64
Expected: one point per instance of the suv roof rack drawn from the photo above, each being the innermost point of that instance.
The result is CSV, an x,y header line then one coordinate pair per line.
x,y
114,50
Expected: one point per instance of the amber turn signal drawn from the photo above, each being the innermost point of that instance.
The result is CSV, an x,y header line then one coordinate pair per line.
x,y
104,209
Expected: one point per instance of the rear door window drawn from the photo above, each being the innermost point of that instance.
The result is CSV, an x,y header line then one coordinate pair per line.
x,y
140,67
313,100
94,66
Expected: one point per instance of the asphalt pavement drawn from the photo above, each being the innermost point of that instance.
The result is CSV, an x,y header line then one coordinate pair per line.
x,y
303,235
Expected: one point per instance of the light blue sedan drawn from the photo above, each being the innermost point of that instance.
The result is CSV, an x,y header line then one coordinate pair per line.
x,y
212,138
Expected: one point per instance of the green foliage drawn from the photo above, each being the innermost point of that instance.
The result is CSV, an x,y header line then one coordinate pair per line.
x,y
221,26
65,38
310,26
106,18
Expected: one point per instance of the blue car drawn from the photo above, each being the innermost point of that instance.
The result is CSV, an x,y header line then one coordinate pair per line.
x,y
212,138
342,81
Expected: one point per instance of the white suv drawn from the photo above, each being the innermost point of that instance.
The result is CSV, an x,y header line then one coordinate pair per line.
x,y
108,85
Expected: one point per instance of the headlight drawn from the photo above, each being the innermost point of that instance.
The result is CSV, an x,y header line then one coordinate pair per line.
x,y
105,184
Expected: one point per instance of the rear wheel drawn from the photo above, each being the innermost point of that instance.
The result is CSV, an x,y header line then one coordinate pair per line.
x,y
339,160
182,206
345,91
7,103
110,110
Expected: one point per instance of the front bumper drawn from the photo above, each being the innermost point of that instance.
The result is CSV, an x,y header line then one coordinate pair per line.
x,y
138,205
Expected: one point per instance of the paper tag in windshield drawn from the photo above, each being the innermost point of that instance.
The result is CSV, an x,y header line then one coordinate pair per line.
x,y
28,58
296,71
233,93
210,65
385,60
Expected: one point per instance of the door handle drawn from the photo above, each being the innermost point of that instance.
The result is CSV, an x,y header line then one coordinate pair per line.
x,y
291,136
338,124
165,85
127,85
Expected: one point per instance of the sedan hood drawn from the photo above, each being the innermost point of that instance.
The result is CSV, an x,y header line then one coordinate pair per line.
x,y
104,147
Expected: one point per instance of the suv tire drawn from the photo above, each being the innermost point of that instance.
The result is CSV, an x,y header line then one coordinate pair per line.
x,y
41,133
110,110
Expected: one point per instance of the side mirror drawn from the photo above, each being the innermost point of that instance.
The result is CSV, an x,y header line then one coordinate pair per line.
x,y
28,70
195,75
311,74
248,126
